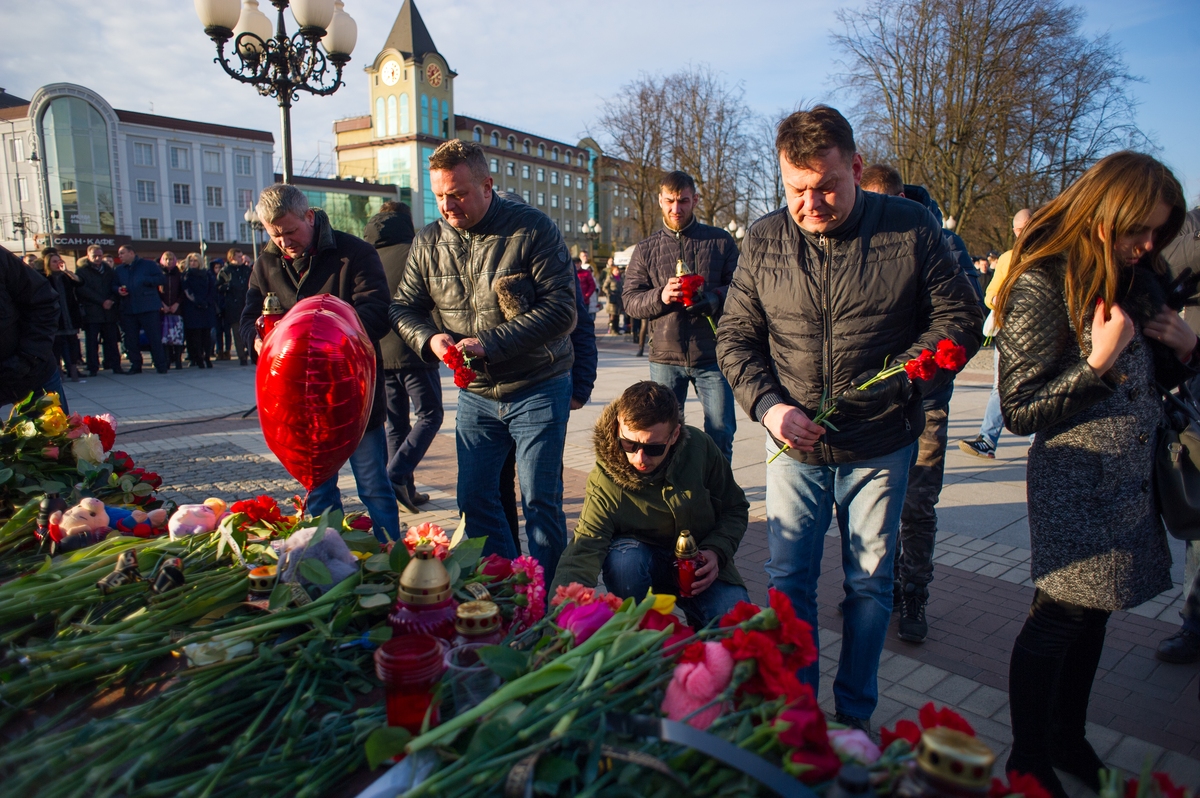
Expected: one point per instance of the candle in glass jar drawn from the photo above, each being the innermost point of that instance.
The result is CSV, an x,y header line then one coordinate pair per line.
x,y
687,557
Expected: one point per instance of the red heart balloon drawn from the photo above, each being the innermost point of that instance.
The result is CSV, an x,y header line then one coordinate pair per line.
x,y
315,385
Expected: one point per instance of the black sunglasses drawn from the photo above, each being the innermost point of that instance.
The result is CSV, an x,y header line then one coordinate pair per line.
x,y
651,449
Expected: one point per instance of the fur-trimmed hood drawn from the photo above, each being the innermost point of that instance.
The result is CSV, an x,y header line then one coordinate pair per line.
x,y
612,459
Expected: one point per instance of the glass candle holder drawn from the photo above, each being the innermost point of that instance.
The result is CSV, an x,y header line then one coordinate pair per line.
x,y
409,667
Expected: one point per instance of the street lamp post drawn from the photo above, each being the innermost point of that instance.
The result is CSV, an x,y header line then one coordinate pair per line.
x,y
251,217
591,229
280,66
736,230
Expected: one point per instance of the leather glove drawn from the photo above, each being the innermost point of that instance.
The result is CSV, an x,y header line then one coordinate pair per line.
x,y
706,303
862,404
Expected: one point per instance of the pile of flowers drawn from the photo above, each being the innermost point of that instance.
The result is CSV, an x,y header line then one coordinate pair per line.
x,y
463,374
518,587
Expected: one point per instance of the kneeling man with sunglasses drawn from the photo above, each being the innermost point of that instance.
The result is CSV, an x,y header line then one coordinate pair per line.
x,y
654,477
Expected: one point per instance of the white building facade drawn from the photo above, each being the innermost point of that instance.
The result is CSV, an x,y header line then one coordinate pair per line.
x,y
78,171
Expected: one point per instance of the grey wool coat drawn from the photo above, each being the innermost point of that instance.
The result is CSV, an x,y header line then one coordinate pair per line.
x,y
1096,536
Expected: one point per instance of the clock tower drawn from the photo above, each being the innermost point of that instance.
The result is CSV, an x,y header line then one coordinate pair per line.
x,y
412,112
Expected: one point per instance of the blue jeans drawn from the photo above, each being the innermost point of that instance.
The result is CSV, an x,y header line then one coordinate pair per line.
x,y
535,421
716,397
421,391
633,567
55,385
370,478
869,496
993,419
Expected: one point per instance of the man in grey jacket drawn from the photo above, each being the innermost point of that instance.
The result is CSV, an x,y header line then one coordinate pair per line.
x,y
499,277
828,290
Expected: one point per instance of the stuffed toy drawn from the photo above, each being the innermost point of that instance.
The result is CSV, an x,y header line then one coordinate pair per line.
x,y
87,522
196,519
137,523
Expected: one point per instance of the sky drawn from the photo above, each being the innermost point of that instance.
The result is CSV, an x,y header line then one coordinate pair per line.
x,y
544,66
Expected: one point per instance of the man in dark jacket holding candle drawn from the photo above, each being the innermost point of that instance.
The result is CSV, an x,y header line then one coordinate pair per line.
x,y
828,291
307,257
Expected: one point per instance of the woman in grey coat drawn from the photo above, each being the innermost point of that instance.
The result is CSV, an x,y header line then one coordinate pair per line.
x,y
1085,338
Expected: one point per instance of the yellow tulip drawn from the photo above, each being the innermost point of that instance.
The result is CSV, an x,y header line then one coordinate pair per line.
x,y
664,604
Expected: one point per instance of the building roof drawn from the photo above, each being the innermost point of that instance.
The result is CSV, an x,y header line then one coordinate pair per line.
x,y
8,101
170,123
470,123
409,34
349,186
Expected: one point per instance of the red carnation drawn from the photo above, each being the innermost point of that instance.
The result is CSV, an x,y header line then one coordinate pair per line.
x,y
794,635
463,377
931,718
922,367
905,730
122,462
692,654
258,510
100,427
742,611
454,358
950,356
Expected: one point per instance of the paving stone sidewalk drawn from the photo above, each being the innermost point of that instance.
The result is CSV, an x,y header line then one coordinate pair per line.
x,y
1140,708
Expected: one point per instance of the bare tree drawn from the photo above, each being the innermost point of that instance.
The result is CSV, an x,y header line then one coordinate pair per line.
x,y
993,105
764,182
690,120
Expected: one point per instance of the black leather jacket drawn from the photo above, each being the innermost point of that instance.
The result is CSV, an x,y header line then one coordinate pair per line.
x,y
507,281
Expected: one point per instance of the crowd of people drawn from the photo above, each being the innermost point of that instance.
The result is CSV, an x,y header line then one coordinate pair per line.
x,y
855,271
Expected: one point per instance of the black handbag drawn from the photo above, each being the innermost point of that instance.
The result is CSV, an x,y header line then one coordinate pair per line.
x,y
1177,465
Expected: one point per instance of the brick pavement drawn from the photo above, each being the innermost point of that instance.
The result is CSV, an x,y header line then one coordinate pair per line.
x,y
980,596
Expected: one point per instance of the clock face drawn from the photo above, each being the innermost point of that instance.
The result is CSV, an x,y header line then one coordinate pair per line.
x,y
391,73
433,74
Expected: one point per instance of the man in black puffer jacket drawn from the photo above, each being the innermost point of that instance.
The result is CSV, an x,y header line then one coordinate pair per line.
x,y
307,257
828,291
499,277
409,381
29,311
683,345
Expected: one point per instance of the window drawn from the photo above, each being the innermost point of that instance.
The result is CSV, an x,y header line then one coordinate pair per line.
x,y
541,150
445,119
214,196
582,161
554,155
567,157
149,228
216,231
243,165
541,175
404,114
424,113
494,165
16,149
245,198
179,158
213,162
525,147
380,119
145,191
579,182
495,139
553,200
626,211
391,115
616,212
567,203
554,178
183,229
143,154
525,171
541,198
567,225
510,169
183,194
525,196
478,135
512,143
243,231
23,189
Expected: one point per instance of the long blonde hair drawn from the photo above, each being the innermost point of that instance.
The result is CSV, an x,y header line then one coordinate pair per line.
x,y
1081,225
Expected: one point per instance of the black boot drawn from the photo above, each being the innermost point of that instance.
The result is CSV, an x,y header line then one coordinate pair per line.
x,y
1031,692
1069,749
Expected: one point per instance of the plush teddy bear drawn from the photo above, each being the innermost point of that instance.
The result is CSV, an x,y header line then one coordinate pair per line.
x,y
196,519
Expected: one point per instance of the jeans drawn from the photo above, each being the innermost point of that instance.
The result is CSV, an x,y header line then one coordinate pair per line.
x,y
993,419
55,385
420,390
151,322
109,332
918,519
535,420
633,567
716,397
869,496
370,478
1191,604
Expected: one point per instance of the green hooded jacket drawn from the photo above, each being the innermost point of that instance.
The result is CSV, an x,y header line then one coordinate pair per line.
x,y
694,490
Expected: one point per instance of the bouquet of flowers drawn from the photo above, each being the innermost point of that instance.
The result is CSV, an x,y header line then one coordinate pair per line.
x,y
949,357
463,374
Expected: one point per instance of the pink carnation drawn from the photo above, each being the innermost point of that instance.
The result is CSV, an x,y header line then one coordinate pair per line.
x,y
695,684
531,586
